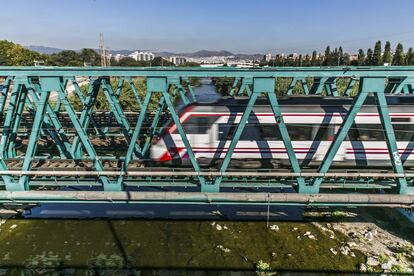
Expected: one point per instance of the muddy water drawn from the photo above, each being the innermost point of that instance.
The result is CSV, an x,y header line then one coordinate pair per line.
x,y
82,246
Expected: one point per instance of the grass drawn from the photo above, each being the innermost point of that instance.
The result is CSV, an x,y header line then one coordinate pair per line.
x,y
339,214
398,269
262,268
383,259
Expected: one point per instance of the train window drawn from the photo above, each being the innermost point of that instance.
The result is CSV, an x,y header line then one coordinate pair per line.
x,y
226,131
375,132
366,132
270,132
400,120
323,132
198,125
300,132
404,132
251,132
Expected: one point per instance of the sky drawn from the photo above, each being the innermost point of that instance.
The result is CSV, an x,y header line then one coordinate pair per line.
x,y
240,26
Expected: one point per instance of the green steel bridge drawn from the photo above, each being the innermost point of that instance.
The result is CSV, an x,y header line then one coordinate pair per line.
x,y
55,146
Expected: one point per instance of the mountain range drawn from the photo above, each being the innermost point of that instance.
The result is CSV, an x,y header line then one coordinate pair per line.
x,y
198,54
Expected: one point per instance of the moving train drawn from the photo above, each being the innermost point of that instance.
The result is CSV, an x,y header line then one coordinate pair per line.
x,y
312,123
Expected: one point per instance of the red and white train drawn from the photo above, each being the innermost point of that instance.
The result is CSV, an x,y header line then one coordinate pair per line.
x,y
311,122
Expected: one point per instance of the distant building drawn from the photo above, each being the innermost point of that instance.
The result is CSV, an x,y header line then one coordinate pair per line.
x,y
267,57
353,57
118,57
142,56
177,60
39,63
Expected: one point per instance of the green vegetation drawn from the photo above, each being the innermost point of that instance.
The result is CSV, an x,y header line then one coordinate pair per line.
x,y
12,54
383,259
126,97
398,269
339,214
262,268
224,86
130,62
16,55
71,58
338,57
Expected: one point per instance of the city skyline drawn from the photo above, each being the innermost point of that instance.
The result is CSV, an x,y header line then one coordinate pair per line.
x,y
277,27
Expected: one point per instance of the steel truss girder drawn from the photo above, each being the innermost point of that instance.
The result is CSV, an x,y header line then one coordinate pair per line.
x,y
171,83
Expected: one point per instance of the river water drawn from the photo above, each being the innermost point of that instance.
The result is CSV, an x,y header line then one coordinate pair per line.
x,y
104,239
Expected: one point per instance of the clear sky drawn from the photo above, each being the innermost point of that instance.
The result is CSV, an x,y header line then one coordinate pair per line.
x,y
245,26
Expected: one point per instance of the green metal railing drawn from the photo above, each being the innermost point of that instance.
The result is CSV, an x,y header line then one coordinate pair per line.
x,y
29,89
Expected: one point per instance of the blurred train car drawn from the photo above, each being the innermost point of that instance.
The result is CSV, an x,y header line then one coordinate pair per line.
x,y
312,123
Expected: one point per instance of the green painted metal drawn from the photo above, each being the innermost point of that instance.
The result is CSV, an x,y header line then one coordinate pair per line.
x,y
29,88
107,184
89,103
351,84
302,82
189,87
283,130
8,121
389,133
235,86
53,125
22,97
245,87
37,125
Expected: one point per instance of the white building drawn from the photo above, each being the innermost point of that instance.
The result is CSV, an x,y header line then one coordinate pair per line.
x,y
118,57
142,56
268,57
177,60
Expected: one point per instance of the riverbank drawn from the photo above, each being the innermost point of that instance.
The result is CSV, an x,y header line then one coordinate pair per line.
x,y
384,236
323,242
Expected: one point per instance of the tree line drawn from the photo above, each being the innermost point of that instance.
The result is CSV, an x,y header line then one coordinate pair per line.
x,y
12,54
378,56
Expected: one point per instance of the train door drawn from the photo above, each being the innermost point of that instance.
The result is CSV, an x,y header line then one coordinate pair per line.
x,y
201,137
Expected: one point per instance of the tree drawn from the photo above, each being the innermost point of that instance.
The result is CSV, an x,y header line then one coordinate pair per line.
x,y
191,64
89,56
314,59
398,55
340,56
387,56
159,61
361,57
65,58
300,61
376,56
410,57
12,54
307,61
327,56
346,59
127,62
368,60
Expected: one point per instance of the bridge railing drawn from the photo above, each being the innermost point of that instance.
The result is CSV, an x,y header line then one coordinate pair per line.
x,y
26,91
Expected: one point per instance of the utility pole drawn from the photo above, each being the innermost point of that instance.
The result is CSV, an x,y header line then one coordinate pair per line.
x,y
104,57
